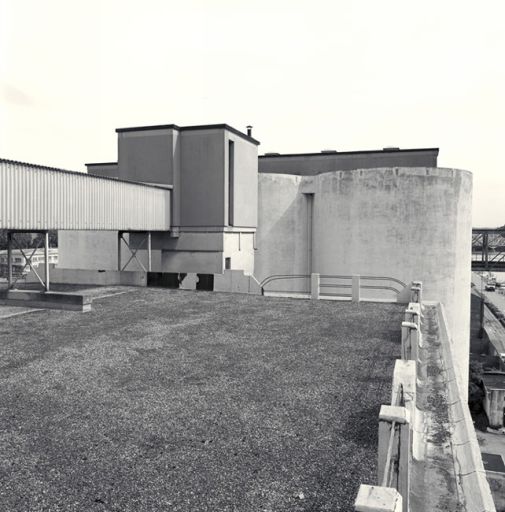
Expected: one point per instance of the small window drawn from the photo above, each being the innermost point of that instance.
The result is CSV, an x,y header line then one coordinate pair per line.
x,y
227,263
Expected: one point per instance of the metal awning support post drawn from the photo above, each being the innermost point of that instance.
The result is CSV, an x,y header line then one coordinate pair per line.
x,y
149,252
46,258
9,259
119,237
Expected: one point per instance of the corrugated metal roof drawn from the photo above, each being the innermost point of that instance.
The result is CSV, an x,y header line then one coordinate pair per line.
x,y
34,197
47,168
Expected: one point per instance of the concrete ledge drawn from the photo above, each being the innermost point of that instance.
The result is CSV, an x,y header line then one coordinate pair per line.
x,y
236,281
378,499
46,300
92,277
467,456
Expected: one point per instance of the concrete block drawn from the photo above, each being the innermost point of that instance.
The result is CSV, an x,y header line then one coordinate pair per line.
x,y
189,282
373,498
46,300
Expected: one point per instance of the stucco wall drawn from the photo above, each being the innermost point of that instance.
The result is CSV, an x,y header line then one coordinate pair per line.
x,y
406,223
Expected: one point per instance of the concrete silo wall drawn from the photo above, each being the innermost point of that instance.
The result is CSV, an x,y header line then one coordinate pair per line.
x,y
405,223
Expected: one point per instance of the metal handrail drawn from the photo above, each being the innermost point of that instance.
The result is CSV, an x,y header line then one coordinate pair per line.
x,y
377,278
388,467
370,287
276,277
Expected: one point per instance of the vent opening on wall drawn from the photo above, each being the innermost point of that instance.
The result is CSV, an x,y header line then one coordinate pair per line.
x,y
227,263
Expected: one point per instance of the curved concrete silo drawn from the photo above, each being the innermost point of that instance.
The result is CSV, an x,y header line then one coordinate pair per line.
x,y
409,223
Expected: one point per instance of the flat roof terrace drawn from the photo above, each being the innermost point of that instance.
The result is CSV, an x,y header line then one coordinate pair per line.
x,y
194,401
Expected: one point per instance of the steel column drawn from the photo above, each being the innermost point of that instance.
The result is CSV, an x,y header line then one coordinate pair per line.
x,y
149,252
9,259
46,258
119,237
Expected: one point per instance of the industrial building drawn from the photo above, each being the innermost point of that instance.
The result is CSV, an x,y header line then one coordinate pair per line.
x,y
195,207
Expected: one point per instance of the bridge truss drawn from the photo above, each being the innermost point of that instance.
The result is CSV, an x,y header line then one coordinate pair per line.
x,y
488,249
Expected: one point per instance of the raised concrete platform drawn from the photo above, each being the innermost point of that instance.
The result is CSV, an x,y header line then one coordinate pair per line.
x,y
46,300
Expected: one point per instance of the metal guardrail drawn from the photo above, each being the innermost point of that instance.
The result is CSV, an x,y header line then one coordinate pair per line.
x,y
280,277
335,289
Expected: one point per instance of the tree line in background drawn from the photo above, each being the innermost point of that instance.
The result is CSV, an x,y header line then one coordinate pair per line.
x,y
29,240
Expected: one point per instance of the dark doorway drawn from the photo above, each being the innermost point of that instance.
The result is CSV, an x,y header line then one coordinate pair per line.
x,y
205,282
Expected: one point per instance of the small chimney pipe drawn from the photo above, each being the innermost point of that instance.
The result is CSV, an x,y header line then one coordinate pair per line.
x,y
249,130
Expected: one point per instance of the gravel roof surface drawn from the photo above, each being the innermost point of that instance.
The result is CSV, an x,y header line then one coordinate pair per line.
x,y
162,400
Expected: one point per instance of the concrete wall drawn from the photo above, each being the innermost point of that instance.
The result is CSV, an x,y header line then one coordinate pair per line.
x,y
282,235
94,250
316,163
406,223
245,190
239,247
97,250
202,178
109,170
146,156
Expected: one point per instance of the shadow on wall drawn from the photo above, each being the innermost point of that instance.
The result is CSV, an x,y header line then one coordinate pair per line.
x,y
286,240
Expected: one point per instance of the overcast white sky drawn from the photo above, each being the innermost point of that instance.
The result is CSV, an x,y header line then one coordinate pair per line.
x,y
308,75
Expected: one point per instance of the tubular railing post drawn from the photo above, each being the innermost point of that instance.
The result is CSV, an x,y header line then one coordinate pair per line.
x,y
9,260
355,288
315,285
46,259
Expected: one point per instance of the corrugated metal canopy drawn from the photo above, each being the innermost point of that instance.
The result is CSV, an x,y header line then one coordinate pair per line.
x,y
40,198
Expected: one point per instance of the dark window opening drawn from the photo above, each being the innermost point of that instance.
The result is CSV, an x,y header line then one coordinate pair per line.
x,y
231,180
227,263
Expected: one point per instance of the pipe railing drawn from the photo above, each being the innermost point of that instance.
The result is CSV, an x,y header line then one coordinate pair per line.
x,y
333,288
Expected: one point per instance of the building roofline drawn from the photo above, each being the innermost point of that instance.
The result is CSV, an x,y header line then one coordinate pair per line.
x,y
222,126
338,153
66,171
101,163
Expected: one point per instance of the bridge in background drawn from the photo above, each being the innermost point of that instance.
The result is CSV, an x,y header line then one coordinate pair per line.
x,y
37,199
488,249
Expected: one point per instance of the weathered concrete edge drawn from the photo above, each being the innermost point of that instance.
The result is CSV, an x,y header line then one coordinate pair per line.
x,y
467,456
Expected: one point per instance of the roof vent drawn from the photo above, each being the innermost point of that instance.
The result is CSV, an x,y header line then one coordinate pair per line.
x,y
272,154
391,148
328,151
249,130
